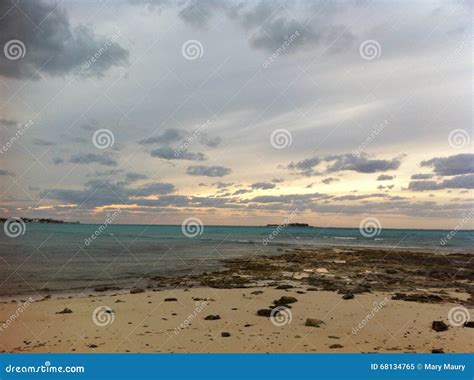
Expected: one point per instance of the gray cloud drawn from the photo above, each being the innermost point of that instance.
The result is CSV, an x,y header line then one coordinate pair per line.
x,y
422,176
42,142
170,135
262,185
170,154
52,45
90,158
208,171
329,180
8,122
385,177
132,177
57,160
452,165
457,182
210,142
5,172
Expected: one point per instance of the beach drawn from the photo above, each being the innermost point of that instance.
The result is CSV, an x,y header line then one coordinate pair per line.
x,y
301,300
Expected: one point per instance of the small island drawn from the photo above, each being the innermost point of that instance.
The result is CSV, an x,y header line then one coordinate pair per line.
x,y
40,221
290,225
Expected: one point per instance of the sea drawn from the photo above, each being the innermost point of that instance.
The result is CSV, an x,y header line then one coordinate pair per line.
x,y
48,258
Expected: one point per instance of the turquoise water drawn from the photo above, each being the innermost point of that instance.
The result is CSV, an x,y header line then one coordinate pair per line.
x,y
55,257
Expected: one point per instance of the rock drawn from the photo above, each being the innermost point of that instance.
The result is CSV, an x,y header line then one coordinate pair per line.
x,y
257,292
437,351
225,334
265,312
66,310
361,289
439,326
391,271
284,287
312,322
92,346
420,297
348,296
285,300
137,290
171,299
336,346
469,324
213,317
119,301
248,325
106,288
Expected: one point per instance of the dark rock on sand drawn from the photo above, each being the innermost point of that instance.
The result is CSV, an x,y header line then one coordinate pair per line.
x,y
213,317
437,351
171,299
92,345
66,310
257,292
265,312
106,288
439,326
284,287
419,297
285,300
312,322
225,334
469,324
348,296
336,346
137,291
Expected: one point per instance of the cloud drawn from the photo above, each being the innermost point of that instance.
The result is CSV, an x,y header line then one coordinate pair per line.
x,y
329,180
41,142
208,171
5,172
158,188
132,177
262,185
342,162
170,154
8,122
452,165
242,191
170,135
457,182
422,176
90,158
210,142
52,45
385,177
57,160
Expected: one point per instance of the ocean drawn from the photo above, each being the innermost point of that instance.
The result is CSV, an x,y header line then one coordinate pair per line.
x,y
75,257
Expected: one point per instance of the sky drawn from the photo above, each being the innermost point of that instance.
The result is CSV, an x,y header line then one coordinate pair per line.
x,y
238,112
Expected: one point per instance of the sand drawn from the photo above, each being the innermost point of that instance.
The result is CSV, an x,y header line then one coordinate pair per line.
x,y
145,322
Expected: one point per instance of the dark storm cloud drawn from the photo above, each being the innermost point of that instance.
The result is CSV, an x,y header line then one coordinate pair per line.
x,y
168,153
51,45
452,165
422,176
457,182
329,180
385,177
92,158
262,185
335,163
170,135
208,171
